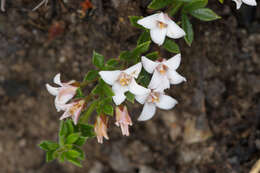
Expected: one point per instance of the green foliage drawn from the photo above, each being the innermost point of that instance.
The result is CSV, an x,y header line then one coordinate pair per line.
x,y
72,138
221,1
85,115
187,27
144,37
158,4
194,4
171,46
91,75
105,106
112,64
98,60
102,89
144,78
176,5
79,93
205,14
48,145
152,55
133,21
130,97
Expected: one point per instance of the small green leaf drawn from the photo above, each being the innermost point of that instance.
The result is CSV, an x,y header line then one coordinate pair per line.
x,y
205,14
70,126
88,112
81,141
48,145
130,97
72,160
152,55
86,130
49,156
171,46
106,89
221,1
187,27
133,21
195,4
73,153
98,60
62,140
144,78
140,49
125,55
62,157
63,128
72,138
81,155
91,75
144,37
158,4
108,109
175,7
79,93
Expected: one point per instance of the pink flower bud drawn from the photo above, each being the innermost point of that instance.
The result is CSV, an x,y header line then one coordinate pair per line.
x,y
100,128
123,119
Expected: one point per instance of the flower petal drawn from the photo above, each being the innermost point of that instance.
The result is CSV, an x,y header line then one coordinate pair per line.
x,y
166,102
158,35
119,98
250,2
174,77
148,64
57,80
134,70
238,3
159,82
52,90
174,62
174,31
137,89
149,22
110,76
66,114
148,112
141,98
76,115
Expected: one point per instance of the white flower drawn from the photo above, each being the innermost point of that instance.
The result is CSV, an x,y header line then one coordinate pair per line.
x,y
64,93
161,25
248,2
152,100
3,5
123,81
72,110
164,72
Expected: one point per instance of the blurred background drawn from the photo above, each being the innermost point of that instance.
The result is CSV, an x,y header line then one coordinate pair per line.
x,y
215,128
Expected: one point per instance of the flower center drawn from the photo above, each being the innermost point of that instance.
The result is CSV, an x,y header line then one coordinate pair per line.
x,y
76,107
124,79
153,97
161,25
161,68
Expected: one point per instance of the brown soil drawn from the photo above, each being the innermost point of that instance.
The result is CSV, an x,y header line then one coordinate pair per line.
x,y
214,128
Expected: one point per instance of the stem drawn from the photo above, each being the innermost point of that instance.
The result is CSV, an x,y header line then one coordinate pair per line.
x,y
85,83
89,111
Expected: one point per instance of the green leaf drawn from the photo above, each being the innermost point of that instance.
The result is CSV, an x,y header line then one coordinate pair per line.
x,y
70,126
79,93
205,14
98,60
81,155
49,156
108,109
88,112
91,75
48,145
221,1
187,26
72,160
125,55
107,90
171,46
140,49
158,4
81,141
72,138
62,140
175,7
152,55
130,97
133,21
195,4
86,130
73,153
144,78
63,128
144,37
62,157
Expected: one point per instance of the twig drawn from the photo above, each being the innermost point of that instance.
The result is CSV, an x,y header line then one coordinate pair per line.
x,y
40,4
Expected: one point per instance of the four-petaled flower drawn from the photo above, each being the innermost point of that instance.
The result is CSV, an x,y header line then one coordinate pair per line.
x,y
160,26
100,128
151,101
164,72
248,2
123,81
72,110
64,93
123,119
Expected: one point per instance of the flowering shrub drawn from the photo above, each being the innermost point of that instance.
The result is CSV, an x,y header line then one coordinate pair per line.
x,y
135,75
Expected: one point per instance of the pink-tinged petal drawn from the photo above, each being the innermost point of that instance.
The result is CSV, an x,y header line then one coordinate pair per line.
x,y
250,2
159,82
158,35
141,98
134,70
137,89
166,102
119,98
65,94
174,77
52,90
62,106
174,31
148,112
110,77
162,17
65,115
174,62
149,22
148,64
57,80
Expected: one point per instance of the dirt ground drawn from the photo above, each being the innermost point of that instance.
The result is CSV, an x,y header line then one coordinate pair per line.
x,y
215,128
